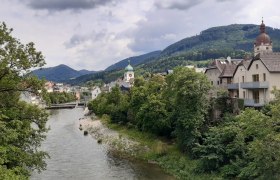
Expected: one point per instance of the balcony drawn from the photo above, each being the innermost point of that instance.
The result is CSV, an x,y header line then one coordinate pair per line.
x,y
255,102
255,85
232,86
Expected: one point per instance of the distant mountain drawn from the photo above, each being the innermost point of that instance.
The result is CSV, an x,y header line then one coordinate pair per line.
x,y
59,73
135,60
84,71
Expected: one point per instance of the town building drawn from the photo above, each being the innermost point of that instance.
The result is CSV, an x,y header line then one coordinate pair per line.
x,y
49,86
95,92
220,73
198,70
129,74
125,83
251,79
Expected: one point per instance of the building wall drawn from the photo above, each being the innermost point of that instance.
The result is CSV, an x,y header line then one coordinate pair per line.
x,y
240,72
128,75
262,48
274,81
258,67
95,92
224,82
213,76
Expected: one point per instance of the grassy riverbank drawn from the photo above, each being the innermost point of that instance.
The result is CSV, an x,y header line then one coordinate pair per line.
x,y
162,152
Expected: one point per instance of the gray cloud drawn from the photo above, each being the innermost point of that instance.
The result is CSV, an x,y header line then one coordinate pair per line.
x,y
59,5
225,0
176,4
78,39
158,31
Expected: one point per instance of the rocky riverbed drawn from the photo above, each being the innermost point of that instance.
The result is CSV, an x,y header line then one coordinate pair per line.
x,y
115,141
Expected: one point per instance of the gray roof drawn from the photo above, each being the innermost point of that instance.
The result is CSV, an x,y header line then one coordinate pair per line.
x,y
270,60
245,63
225,66
228,70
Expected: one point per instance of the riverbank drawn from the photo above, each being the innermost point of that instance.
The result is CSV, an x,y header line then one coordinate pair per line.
x,y
140,145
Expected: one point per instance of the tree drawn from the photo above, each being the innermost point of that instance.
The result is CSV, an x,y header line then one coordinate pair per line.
x,y
153,117
22,126
189,90
245,146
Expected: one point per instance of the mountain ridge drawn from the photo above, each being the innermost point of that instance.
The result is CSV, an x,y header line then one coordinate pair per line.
x,y
59,73
235,40
134,60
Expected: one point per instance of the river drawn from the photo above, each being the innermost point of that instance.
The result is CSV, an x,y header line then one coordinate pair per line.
x,y
78,157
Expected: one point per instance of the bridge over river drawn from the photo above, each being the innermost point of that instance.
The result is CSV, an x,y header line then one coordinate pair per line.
x,y
66,105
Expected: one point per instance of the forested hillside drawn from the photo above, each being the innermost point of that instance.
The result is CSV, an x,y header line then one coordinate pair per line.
x,y
235,40
215,42
134,60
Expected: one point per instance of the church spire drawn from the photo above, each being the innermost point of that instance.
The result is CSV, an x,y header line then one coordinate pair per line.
x,y
262,27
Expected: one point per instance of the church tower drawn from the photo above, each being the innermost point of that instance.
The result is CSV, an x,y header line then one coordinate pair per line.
x,y
263,43
129,74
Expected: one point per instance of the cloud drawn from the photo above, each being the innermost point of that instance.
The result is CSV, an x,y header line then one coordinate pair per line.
x,y
158,30
59,5
97,49
225,0
176,4
78,39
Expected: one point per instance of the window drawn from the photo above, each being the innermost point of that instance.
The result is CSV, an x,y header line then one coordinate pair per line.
x,y
229,81
243,79
218,82
211,82
264,77
244,94
257,66
255,77
266,48
258,48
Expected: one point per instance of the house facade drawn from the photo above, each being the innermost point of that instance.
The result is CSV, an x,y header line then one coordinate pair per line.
x,y
253,79
220,74
95,92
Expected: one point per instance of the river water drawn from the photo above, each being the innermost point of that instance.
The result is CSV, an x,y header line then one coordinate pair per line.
x,y
78,157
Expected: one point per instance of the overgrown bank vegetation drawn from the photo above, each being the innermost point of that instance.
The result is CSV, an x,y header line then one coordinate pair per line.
x,y
176,108
22,125
58,97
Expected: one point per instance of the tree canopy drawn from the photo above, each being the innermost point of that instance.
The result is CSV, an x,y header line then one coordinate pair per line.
x,y
244,146
22,125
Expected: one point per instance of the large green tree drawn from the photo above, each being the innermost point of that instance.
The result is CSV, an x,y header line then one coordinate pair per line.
x,y
22,126
188,91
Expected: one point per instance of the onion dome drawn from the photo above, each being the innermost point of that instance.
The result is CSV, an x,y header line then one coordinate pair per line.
x,y
128,67
263,38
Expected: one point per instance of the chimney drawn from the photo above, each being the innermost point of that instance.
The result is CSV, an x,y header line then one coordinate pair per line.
x,y
229,59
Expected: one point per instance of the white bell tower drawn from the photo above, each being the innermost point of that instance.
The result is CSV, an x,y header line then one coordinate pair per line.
x,y
129,74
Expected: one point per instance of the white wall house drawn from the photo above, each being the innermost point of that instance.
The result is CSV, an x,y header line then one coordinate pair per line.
x,y
254,79
95,92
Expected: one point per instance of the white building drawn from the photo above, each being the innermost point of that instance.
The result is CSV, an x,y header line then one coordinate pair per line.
x,y
252,79
95,92
129,74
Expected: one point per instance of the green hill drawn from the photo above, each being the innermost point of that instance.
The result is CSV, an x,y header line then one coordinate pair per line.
x,y
215,42
135,60
234,40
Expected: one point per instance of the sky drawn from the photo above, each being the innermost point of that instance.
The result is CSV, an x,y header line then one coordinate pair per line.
x,y
94,34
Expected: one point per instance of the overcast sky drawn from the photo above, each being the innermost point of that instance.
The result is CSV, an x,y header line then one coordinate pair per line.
x,y
93,34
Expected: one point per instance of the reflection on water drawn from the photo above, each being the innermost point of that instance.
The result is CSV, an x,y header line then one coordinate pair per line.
x,y
75,156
